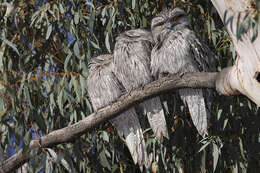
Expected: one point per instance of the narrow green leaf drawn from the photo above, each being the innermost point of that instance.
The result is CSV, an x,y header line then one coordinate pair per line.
x,y
91,21
12,45
165,105
94,45
66,165
76,49
235,168
1,62
76,88
225,123
204,146
89,105
83,84
61,8
105,136
27,96
133,4
201,9
60,104
27,138
53,154
107,153
215,156
48,163
76,18
41,121
103,160
203,162
104,11
107,43
219,113
241,148
67,60
114,168
48,31
144,22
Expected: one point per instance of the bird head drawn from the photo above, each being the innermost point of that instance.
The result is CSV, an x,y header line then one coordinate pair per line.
x,y
168,20
99,62
136,35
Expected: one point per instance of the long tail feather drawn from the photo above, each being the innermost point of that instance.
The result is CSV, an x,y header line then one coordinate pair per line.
x,y
155,114
128,124
196,104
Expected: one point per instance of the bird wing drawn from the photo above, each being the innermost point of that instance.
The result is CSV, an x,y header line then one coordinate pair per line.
x,y
198,112
131,64
171,56
202,54
206,62
177,54
132,67
128,124
155,114
103,89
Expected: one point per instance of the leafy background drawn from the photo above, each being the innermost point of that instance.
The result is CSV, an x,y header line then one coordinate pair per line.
x,y
47,46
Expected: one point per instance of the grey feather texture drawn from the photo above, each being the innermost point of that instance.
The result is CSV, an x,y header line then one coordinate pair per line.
x,y
103,89
178,51
132,55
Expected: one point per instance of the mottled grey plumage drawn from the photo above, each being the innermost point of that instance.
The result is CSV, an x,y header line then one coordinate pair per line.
x,y
178,51
103,89
132,55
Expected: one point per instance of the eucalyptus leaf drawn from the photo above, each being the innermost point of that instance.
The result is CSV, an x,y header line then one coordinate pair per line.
x,y
76,49
12,45
48,32
107,43
61,8
66,165
215,156
76,18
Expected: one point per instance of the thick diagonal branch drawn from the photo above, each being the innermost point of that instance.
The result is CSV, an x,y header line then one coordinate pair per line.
x,y
72,132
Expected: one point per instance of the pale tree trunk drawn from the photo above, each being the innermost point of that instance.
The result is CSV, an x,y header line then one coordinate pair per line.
x,y
243,77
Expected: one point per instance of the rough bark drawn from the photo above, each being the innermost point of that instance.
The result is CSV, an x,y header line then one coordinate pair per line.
x,y
72,132
243,77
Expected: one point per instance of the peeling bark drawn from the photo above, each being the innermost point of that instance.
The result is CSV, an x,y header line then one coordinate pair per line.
x,y
72,132
243,76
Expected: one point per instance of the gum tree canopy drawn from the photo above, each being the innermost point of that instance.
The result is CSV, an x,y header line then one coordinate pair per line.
x,y
47,119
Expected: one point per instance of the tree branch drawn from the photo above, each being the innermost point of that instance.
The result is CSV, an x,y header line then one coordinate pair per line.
x,y
72,132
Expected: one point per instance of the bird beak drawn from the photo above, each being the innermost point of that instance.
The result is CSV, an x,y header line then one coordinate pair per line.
x,y
169,24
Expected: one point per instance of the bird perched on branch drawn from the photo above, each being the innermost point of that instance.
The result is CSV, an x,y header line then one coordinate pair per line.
x,y
178,51
103,89
132,56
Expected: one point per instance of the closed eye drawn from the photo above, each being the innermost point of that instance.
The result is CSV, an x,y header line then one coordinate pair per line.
x,y
159,24
175,18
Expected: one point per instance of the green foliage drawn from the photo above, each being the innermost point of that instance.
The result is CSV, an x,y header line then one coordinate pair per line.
x,y
44,69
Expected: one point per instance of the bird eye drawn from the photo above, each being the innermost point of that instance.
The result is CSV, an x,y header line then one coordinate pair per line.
x,y
175,18
159,25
